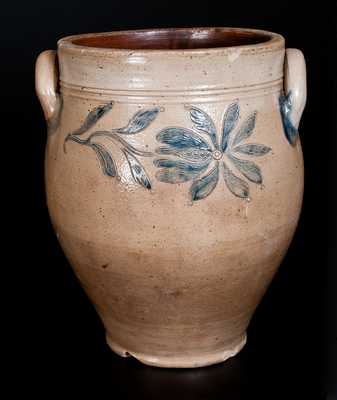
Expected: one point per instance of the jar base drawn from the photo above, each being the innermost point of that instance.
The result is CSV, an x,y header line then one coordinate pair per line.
x,y
181,361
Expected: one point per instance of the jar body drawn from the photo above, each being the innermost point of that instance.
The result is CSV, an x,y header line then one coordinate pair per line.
x,y
174,259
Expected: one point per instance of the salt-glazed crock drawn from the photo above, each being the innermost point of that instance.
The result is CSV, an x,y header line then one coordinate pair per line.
x,y
174,180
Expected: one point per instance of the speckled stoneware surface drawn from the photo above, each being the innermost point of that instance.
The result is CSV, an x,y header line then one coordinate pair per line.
x,y
174,180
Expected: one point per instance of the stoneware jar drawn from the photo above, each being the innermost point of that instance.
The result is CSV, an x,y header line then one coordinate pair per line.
x,y
174,180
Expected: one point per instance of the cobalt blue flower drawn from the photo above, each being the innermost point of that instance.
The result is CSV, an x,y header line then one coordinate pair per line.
x,y
199,157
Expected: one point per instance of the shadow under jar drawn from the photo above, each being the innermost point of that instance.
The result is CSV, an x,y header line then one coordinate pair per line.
x,y
174,180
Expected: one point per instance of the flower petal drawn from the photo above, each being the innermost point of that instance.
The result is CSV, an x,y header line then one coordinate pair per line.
x,y
230,119
184,166
189,154
246,129
204,186
181,139
174,175
174,171
252,149
236,185
247,168
203,122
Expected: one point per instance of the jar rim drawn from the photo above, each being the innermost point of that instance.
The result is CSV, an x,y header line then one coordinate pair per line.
x,y
174,41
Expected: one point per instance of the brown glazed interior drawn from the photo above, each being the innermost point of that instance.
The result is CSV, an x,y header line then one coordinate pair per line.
x,y
169,39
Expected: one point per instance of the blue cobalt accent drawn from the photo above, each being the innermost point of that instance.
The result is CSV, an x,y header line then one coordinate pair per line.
x,y
92,118
246,129
230,119
198,153
252,149
189,146
137,171
203,122
174,171
140,121
290,131
236,185
190,154
247,168
189,167
106,162
204,186
181,138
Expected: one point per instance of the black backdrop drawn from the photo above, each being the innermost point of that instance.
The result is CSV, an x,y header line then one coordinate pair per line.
x,y
291,350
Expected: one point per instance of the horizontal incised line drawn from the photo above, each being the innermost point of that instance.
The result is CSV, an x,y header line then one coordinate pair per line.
x,y
171,96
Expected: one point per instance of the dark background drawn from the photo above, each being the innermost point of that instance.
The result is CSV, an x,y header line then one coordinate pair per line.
x,y
59,342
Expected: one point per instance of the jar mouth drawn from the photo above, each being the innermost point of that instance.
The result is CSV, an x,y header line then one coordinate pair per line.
x,y
172,39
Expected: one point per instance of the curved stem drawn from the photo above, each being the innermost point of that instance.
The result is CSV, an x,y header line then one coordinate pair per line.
x,y
109,135
76,139
115,137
